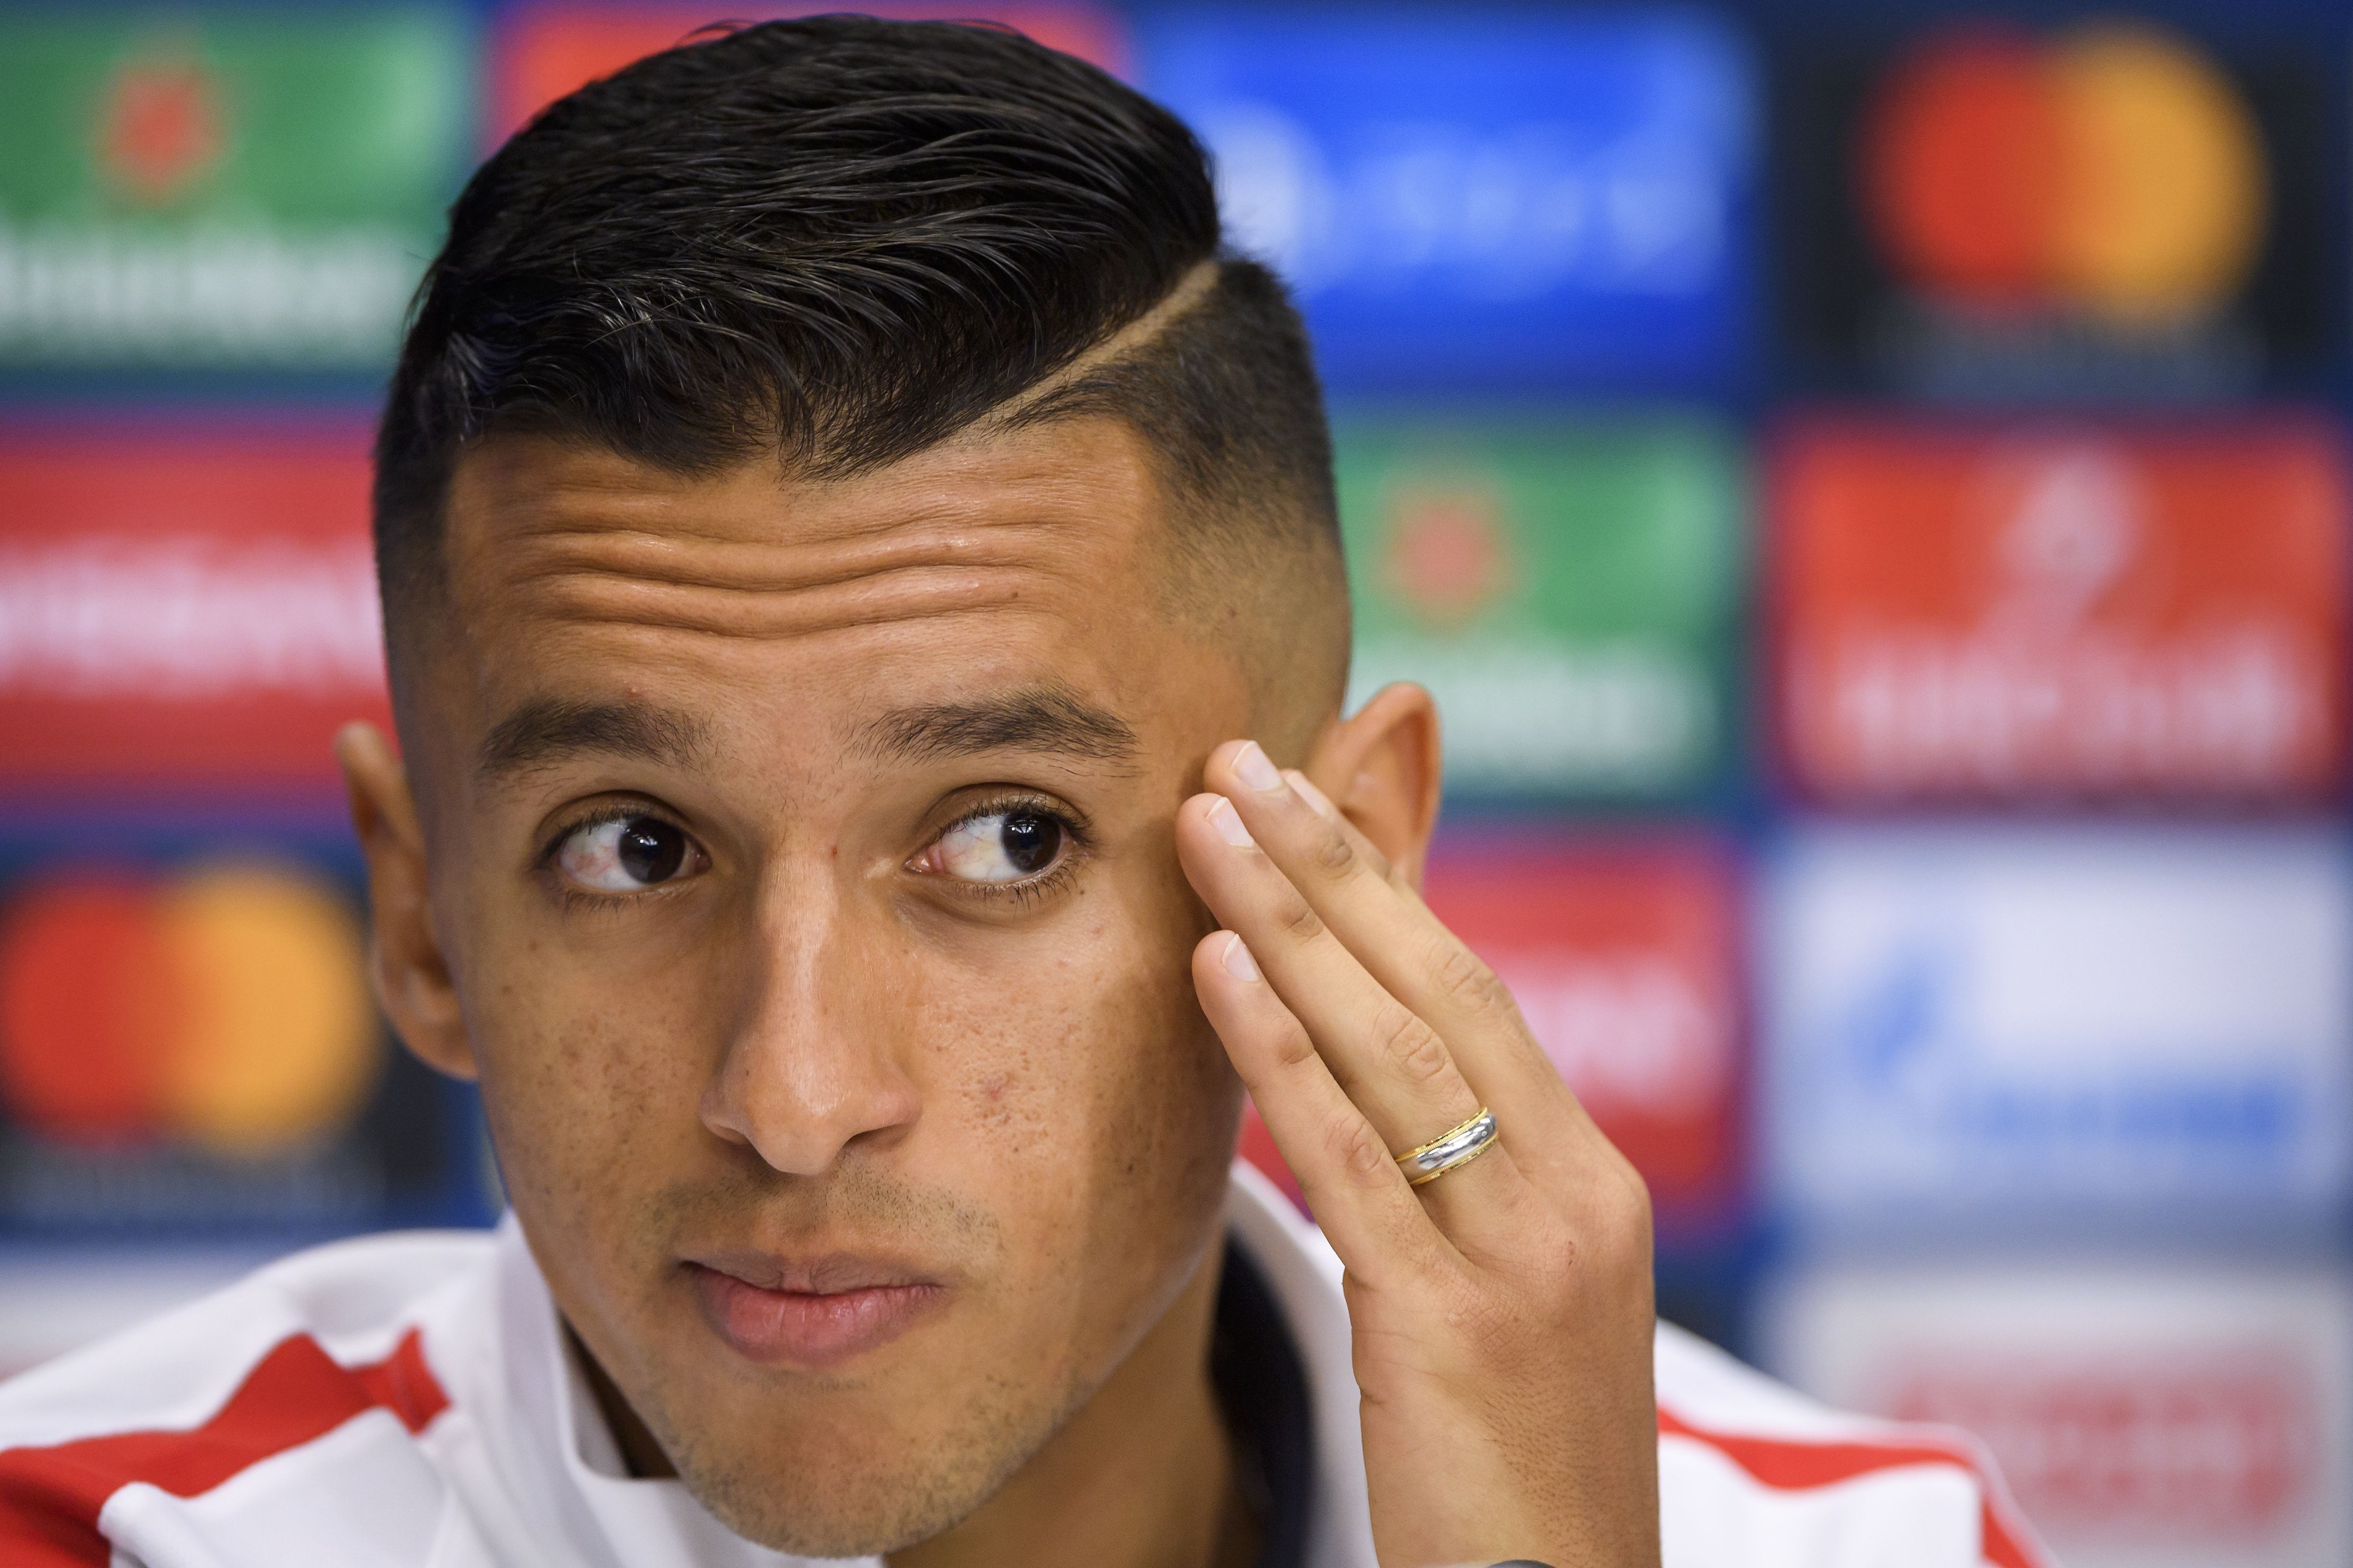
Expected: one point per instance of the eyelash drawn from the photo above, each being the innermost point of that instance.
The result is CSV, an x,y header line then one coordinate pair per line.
x,y
620,812
1078,841
580,899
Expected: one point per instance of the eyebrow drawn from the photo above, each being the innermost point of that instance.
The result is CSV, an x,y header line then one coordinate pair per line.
x,y
1037,718
547,730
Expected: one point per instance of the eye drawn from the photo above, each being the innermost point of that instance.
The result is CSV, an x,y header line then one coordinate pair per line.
x,y
627,855
997,847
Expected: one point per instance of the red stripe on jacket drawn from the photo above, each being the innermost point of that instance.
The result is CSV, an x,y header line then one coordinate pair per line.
x,y
50,1498
1790,1464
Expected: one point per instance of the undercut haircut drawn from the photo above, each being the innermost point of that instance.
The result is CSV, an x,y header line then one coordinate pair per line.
x,y
837,241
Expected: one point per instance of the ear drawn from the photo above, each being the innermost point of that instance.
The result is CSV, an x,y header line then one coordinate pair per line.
x,y
411,974
1381,768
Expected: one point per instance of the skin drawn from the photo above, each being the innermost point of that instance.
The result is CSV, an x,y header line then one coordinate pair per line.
x,y
820,1039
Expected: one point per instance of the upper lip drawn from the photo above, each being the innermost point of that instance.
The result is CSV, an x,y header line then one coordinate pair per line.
x,y
813,1274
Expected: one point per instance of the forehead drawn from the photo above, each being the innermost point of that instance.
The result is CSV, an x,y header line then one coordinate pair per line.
x,y
1030,554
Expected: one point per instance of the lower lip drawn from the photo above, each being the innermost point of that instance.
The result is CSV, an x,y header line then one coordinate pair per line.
x,y
784,1327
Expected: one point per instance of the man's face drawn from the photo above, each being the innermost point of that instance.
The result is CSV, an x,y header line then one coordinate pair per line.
x,y
802,855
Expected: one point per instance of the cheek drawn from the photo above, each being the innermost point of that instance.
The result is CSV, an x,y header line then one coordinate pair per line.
x,y
1055,1062
1086,1094
588,1066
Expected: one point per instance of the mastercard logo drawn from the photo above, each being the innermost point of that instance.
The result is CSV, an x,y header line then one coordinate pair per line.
x,y
2111,169
227,1008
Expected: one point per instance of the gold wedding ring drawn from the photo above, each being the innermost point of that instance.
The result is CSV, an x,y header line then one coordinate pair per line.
x,y
1450,1150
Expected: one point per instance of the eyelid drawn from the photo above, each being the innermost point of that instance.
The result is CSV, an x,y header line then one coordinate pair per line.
x,y
1075,827
1074,821
597,817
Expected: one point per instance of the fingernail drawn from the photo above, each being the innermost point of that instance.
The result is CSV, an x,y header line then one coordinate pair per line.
x,y
1251,766
1311,795
1228,824
1239,962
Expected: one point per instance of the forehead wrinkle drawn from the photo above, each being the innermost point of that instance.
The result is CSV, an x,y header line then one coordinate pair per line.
x,y
606,594
625,602
598,543
784,566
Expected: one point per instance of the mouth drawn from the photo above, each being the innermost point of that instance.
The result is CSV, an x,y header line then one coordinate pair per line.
x,y
811,1314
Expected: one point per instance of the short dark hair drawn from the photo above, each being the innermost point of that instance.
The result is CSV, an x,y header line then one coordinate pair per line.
x,y
840,240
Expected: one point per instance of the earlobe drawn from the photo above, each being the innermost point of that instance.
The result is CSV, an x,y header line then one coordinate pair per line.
x,y
1380,765
411,971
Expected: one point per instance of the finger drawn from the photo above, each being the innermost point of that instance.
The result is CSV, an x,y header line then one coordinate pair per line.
x,y
1552,1122
1359,1195
1407,950
1388,1061
1386,1057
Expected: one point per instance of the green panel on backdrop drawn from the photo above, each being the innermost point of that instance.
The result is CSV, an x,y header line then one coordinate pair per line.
x,y
223,190
1568,589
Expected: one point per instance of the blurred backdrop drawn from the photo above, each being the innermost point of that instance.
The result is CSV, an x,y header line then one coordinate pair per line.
x,y
1867,483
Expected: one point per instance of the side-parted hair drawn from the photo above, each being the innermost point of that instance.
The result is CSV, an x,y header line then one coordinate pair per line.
x,y
837,241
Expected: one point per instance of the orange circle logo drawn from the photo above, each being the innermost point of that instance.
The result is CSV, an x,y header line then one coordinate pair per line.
x,y
227,1008
2113,170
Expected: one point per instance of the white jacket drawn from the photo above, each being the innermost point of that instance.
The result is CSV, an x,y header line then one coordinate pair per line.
x,y
407,1402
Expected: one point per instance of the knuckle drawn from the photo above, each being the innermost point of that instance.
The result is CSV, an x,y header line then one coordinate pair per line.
x,y
1355,1148
1292,1047
1463,980
1408,1046
1629,1216
1333,855
1297,918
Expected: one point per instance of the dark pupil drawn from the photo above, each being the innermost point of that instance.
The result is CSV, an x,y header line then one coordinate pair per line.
x,y
651,851
1030,842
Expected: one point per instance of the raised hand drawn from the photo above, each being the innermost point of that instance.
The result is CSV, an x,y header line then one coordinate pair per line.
x,y
1502,1311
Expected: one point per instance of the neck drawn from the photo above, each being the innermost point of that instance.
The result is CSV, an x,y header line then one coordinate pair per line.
x,y
1141,1476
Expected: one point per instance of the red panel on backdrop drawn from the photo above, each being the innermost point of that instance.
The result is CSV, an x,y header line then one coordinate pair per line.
x,y
1624,959
2140,612
543,52
182,610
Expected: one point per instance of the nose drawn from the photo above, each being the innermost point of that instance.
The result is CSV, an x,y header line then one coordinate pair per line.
x,y
811,1064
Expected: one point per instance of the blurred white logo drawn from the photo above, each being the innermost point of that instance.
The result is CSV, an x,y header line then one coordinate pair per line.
x,y
1513,216
2071,676
2075,532
188,619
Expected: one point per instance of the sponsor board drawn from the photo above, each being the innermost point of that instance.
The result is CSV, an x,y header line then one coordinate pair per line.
x,y
1623,959
223,190
2060,612
544,51
1483,198
1569,593
188,1040
2156,1415
2014,1026
2104,210
183,610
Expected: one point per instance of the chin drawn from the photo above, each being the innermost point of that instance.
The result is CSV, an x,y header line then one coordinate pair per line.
x,y
818,1491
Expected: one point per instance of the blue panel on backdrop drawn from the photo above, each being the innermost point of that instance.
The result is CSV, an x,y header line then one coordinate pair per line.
x,y
1485,202
2010,1026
